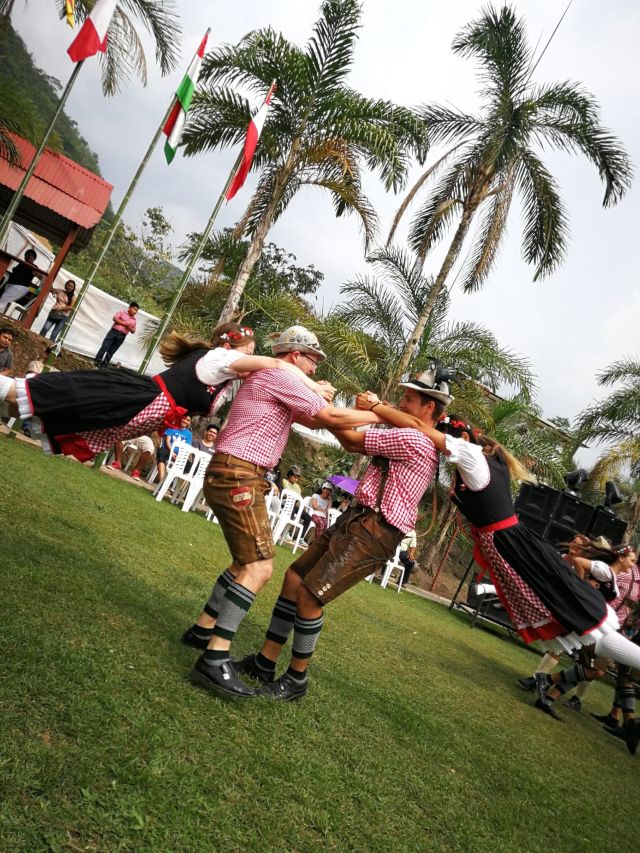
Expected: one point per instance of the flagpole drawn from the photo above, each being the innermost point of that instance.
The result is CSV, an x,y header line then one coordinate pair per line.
x,y
19,193
195,255
114,226
112,231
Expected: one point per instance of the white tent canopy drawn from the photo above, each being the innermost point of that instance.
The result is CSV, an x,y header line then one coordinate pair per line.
x,y
93,320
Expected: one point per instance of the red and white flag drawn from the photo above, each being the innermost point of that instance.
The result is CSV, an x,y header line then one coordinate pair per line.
x,y
250,144
93,33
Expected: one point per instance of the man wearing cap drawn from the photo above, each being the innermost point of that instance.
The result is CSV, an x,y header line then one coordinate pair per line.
x,y
363,538
249,445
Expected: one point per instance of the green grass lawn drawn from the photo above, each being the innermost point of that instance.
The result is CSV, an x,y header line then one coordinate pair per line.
x,y
413,735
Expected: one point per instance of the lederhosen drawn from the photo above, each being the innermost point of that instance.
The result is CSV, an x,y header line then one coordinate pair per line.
x,y
543,596
357,543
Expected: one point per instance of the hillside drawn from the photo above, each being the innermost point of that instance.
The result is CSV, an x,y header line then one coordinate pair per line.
x,y
18,68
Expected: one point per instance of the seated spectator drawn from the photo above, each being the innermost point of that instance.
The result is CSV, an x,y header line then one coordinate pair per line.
x,y
343,503
291,481
169,438
19,281
320,506
7,336
208,441
59,314
407,555
145,449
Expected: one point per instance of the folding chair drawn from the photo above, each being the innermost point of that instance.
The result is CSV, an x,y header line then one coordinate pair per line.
x,y
195,478
393,565
175,467
287,515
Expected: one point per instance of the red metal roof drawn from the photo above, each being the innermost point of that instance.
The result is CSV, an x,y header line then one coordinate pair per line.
x,y
59,184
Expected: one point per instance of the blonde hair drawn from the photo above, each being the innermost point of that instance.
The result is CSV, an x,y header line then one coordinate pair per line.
x,y
517,471
175,347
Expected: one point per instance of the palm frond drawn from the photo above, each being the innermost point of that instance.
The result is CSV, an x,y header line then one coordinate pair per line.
x,y
545,221
626,370
489,237
498,41
330,48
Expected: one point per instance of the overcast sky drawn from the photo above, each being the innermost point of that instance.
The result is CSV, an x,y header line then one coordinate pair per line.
x,y
569,326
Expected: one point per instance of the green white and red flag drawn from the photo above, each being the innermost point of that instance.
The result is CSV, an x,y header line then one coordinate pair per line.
x,y
184,94
92,37
250,144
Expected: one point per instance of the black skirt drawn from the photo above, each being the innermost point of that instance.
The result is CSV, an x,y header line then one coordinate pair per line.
x,y
572,601
80,400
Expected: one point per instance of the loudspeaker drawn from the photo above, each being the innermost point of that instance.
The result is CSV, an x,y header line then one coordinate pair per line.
x,y
604,523
573,513
536,506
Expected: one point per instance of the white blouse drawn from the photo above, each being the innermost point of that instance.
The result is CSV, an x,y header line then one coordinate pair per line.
x,y
214,368
470,462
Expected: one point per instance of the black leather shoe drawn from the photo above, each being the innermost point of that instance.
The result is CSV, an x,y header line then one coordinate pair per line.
x,y
574,703
528,684
543,683
248,666
609,721
285,688
191,639
615,731
632,735
547,708
221,680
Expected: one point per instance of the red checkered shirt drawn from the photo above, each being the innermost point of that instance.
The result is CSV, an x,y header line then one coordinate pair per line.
x,y
412,464
628,590
262,413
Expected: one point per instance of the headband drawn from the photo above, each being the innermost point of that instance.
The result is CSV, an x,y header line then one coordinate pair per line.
x,y
243,332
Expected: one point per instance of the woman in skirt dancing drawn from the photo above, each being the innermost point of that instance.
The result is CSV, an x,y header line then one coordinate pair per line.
x,y
84,412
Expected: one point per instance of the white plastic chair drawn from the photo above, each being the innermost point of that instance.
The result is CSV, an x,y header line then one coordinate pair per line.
x,y
334,515
286,516
393,565
195,478
175,467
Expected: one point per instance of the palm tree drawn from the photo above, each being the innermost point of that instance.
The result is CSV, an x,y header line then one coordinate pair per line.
x,y
495,156
125,52
318,133
370,328
17,115
616,419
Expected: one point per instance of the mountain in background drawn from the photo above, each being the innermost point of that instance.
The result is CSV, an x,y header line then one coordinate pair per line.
x,y
17,68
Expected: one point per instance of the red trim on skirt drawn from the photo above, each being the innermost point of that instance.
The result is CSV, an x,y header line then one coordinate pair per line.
x,y
173,418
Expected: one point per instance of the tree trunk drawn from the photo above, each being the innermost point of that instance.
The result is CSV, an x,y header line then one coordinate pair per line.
x,y
236,234
257,241
474,200
430,556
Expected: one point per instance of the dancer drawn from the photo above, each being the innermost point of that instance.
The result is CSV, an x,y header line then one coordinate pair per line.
x,y
620,584
84,412
362,539
251,444
545,599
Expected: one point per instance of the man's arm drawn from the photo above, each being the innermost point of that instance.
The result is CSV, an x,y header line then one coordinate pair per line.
x,y
350,439
332,418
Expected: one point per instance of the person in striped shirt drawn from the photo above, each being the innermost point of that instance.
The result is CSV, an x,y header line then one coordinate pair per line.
x,y
251,444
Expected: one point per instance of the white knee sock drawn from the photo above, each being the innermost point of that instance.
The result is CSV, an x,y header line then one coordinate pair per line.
x,y
582,688
618,648
548,663
6,384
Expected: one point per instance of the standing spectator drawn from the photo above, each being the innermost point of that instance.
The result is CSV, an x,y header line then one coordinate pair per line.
x,y
407,555
124,323
7,336
19,281
320,506
207,444
169,438
59,314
